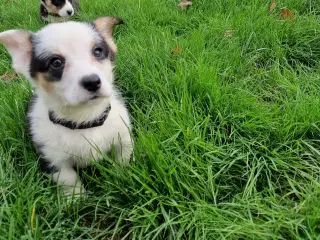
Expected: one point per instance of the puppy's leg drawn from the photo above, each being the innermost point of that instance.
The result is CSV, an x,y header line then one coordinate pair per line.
x,y
68,178
124,149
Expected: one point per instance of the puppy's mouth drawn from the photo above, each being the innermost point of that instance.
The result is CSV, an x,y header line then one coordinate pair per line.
x,y
97,96
94,97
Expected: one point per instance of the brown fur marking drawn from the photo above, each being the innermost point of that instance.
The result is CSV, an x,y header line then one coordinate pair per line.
x,y
51,8
43,82
105,26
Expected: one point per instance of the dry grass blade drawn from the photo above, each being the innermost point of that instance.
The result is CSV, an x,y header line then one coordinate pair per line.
x,y
33,215
272,6
228,33
185,4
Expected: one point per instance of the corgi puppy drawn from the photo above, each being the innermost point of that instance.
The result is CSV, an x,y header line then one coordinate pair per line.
x,y
76,112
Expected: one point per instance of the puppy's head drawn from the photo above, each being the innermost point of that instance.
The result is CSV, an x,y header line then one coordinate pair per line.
x,y
70,63
63,8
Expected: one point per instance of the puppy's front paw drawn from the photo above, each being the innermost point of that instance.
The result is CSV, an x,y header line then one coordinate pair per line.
x,y
124,153
69,181
124,148
74,193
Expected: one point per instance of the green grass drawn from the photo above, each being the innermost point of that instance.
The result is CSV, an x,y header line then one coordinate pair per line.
x,y
227,133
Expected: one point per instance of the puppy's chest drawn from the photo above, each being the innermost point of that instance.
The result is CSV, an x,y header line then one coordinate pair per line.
x,y
59,142
73,143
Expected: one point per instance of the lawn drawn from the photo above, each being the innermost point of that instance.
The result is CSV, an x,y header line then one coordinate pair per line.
x,y
225,103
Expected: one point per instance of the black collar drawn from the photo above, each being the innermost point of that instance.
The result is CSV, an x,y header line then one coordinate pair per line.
x,y
73,125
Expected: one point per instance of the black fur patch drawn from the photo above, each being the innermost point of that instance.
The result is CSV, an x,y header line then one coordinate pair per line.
x,y
28,119
105,49
46,166
42,65
43,13
58,3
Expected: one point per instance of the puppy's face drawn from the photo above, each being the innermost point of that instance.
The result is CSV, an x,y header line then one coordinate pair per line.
x,y
63,8
70,62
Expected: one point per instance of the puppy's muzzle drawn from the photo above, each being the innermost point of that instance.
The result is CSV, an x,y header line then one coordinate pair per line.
x,y
92,82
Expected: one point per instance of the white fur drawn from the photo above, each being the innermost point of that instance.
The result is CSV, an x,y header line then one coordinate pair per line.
x,y
66,148
15,41
63,147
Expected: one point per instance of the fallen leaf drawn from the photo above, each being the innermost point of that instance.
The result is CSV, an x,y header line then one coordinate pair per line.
x,y
177,50
8,76
272,6
286,14
185,4
228,33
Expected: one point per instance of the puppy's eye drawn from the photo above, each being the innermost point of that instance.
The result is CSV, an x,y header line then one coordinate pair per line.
x,y
56,2
56,63
98,53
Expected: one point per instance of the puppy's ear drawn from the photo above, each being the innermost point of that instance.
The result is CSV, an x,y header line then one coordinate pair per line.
x,y
19,45
105,26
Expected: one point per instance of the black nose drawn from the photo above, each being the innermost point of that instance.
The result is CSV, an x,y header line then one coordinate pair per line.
x,y
69,12
91,82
